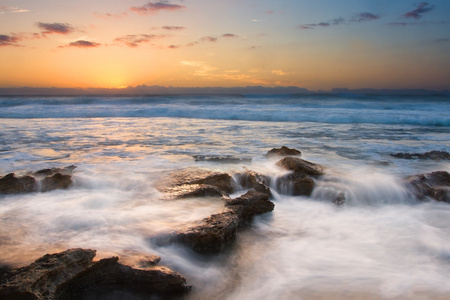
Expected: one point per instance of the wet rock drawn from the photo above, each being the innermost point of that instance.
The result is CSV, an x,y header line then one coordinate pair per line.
x,y
221,158
340,199
108,278
434,155
46,179
283,151
72,275
10,184
296,184
52,171
56,181
299,165
40,279
216,232
195,190
250,204
435,185
253,180
196,182
212,235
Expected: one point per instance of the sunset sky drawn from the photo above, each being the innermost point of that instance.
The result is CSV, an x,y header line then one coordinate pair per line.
x,y
320,44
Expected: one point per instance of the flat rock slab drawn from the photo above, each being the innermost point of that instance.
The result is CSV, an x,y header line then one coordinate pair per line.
x,y
434,155
194,182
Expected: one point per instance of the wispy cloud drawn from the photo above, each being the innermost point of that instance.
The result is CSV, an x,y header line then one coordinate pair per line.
x,y
10,9
9,40
279,72
442,40
336,21
360,17
229,36
175,28
58,28
134,40
111,16
82,44
155,7
365,16
421,8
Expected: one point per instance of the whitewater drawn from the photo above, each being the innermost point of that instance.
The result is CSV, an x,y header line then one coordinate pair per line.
x,y
383,243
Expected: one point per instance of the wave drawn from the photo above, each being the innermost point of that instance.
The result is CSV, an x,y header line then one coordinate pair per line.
x,y
424,110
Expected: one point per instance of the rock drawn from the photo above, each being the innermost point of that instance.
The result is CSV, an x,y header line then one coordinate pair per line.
x,y
300,166
72,275
256,181
435,185
213,235
216,232
195,190
47,179
296,184
340,199
40,279
10,184
221,158
108,278
196,182
250,204
50,172
434,155
283,151
57,181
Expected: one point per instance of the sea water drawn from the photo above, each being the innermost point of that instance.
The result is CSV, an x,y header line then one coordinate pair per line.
x,y
381,244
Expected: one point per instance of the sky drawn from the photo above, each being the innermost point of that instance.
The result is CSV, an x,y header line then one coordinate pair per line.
x,y
315,44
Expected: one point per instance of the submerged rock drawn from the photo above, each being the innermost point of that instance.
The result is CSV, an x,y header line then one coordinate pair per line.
x,y
72,275
10,184
221,158
195,182
216,232
435,185
434,155
283,151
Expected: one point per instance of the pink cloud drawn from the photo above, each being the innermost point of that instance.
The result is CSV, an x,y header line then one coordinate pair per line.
x,y
155,7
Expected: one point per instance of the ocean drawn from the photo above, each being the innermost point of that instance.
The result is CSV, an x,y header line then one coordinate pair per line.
x,y
382,243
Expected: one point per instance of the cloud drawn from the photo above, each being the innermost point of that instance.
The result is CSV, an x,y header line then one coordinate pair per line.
x,y
83,44
133,40
8,40
229,35
360,17
173,28
109,16
365,16
279,72
336,21
58,28
442,40
155,7
9,9
422,7
173,47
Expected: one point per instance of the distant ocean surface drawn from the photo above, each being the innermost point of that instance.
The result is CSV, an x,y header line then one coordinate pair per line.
x,y
381,244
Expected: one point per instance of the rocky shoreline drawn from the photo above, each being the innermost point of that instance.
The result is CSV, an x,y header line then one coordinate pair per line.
x,y
72,274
